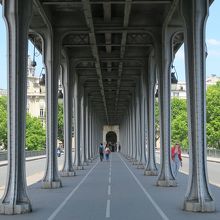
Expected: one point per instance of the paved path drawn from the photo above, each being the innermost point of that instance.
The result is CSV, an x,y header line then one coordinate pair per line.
x,y
113,190
212,164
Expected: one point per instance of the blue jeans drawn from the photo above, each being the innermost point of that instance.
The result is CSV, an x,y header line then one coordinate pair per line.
x,y
107,156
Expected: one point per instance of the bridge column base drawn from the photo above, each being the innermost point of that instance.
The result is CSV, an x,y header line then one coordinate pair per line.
x,y
150,172
134,162
79,167
140,166
21,208
85,163
166,183
51,184
195,206
67,173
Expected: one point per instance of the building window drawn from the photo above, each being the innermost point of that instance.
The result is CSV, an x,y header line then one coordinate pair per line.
x,y
176,94
41,112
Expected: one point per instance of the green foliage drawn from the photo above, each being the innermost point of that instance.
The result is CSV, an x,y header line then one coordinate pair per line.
x,y
35,134
3,121
179,126
60,121
213,116
157,123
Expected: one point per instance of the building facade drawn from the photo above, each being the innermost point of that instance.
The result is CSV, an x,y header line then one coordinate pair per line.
x,y
36,94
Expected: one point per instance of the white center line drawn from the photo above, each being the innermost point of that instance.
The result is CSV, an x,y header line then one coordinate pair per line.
x,y
162,214
60,207
109,190
109,180
107,214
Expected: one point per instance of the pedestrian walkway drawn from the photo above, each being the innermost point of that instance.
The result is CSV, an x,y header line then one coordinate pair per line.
x,y
5,162
112,190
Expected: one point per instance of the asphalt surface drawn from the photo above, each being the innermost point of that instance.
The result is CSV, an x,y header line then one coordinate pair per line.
x,y
32,167
113,190
212,167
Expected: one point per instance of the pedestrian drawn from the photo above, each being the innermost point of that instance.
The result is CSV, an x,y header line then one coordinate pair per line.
x,y
176,158
101,151
107,152
119,148
58,152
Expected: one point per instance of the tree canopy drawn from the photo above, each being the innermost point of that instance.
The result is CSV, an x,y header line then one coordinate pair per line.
x,y
3,121
60,122
35,132
179,125
213,116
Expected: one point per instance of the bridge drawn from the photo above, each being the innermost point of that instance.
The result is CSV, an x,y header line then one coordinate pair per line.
x,y
109,55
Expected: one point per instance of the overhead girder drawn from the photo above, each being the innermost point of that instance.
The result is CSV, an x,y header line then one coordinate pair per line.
x,y
106,47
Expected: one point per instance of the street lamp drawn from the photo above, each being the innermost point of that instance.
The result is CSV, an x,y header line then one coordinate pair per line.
x,y
42,77
174,77
60,93
33,62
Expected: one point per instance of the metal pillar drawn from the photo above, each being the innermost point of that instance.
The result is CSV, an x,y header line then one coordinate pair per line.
x,y
86,130
77,107
67,79
143,159
137,124
82,130
198,197
134,133
52,60
164,60
15,199
151,168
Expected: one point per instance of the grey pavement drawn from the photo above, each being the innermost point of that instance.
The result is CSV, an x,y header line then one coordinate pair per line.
x,y
5,162
113,190
213,167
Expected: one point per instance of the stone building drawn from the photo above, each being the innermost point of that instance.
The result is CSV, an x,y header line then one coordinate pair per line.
x,y
36,94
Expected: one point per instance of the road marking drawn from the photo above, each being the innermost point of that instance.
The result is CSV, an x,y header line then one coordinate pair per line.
x,y
109,190
162,214
107,214
54,214
109,180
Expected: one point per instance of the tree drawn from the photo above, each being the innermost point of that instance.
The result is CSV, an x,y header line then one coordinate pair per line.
x,y
213,116
179,125
157,121
35,133
3,121
60,122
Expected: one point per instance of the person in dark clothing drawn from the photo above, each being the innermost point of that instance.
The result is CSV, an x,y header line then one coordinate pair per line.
x,y
101,151
119,148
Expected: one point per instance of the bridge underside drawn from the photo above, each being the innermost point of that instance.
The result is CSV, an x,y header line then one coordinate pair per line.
x,y
109,56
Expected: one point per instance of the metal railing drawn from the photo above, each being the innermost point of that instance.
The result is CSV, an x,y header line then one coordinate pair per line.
x,y
4,154
211,152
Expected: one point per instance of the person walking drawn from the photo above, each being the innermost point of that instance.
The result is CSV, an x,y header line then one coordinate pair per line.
x,y
176,158
101,151
107,153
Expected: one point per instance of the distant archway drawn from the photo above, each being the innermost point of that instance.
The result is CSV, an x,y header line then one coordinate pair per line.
x,y
111,140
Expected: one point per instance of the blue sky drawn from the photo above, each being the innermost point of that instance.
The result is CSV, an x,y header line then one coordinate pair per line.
x,y
212,40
